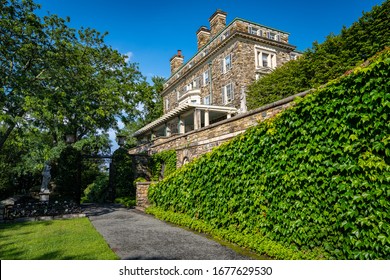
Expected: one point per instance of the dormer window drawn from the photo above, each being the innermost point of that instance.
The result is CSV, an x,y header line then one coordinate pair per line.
x,y
226,34
273,36
254,30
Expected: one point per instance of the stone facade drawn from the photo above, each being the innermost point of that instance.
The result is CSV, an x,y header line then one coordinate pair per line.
x,y
205,98
245,41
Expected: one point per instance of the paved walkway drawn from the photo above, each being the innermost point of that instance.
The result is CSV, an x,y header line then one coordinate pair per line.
x,y
134,235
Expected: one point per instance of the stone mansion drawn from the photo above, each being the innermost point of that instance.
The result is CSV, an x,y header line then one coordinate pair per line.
x,y
210,87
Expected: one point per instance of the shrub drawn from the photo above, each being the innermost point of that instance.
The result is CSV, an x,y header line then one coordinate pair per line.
x,y
97,191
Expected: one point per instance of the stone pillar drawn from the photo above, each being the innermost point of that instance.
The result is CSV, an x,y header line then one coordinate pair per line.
x,y
167,130
182,128
197,120
206,118
142,201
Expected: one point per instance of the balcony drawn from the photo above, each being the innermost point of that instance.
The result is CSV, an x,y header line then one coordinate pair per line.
x,y
190,97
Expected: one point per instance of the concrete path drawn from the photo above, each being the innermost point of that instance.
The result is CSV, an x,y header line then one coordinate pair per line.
x,y
134,235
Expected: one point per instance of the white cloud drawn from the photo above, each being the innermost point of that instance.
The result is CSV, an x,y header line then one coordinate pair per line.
x,y
129,56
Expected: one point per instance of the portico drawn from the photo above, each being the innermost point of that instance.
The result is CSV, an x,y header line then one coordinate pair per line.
x,y
184,118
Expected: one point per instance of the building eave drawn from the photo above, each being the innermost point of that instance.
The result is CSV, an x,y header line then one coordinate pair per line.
x,y
178,111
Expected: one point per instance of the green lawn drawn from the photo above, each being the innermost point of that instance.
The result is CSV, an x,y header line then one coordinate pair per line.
x,y
74,239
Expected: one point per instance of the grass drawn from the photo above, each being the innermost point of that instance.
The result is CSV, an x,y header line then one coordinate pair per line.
x,y
74,239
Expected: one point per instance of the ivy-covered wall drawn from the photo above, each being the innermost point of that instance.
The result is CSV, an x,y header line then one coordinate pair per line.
x,y
315,177
162,164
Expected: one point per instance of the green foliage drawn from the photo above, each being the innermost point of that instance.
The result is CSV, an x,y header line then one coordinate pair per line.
x,y
56,80
122,174
125,201
97,191
67,175
163,164
316,176
326,61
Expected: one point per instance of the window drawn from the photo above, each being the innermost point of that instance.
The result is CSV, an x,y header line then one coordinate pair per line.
x,y
206,78
227,63
166,104
254,31
206,100
227,94
266,59
225,35
293,56
273,36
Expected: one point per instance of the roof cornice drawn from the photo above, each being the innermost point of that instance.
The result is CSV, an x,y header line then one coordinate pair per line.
x,y
233,36
223,30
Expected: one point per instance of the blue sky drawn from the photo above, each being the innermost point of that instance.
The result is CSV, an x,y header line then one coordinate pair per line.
x,y
152,31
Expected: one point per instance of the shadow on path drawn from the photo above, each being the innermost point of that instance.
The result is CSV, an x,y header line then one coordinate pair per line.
x,y
134,235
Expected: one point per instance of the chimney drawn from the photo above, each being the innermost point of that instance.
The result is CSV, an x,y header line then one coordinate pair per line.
x,y
217,22
176,62
203,35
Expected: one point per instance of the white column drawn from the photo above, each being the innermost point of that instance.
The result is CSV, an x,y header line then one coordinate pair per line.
x,y
167,130
182,128
197,119
229,115
206,118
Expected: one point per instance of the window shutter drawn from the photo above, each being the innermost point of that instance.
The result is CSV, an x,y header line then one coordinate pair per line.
x,y
223,95
231,61
232,89
222,64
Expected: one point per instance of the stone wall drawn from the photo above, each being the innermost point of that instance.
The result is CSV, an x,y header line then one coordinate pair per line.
x,y
142,201
140,166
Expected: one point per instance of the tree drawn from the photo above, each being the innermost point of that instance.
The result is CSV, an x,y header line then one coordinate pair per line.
x,y
58,79
149,107
151,101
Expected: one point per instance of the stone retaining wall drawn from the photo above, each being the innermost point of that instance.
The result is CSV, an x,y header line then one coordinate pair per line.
x,y
142,201
197,142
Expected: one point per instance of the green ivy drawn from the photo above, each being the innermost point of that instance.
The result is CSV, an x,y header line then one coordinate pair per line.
x,y
163,164
316,176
